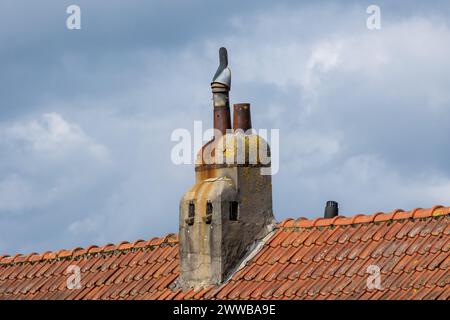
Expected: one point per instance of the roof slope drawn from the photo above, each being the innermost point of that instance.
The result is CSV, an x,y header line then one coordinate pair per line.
x,y
304,259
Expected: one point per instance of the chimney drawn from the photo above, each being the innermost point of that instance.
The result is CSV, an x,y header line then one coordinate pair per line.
x,y
229,208
331,209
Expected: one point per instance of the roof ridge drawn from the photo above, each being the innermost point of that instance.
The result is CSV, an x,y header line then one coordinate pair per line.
x,y
397,214
170,238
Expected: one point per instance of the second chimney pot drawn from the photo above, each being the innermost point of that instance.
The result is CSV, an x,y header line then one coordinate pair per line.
x,y
241,116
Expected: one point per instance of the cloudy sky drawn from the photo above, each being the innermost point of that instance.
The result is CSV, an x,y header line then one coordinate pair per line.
x,y
86,115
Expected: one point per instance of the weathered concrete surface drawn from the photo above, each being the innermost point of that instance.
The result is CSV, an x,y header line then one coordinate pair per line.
x,y
209,252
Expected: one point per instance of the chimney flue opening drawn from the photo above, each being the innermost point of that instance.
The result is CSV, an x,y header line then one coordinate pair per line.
x,y
331,209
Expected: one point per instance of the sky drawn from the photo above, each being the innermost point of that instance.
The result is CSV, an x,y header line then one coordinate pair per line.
x,y
86,115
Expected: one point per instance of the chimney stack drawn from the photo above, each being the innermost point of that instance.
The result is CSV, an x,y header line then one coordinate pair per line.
x,y
331,209
228,210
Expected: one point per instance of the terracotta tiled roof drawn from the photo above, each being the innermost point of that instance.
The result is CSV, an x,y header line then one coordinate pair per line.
x,y
303,259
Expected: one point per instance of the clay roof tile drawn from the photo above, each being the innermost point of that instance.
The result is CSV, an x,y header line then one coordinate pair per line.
x,y
287,223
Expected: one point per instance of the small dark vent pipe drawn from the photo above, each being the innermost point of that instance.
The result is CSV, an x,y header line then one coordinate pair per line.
x,y
331,209
241,116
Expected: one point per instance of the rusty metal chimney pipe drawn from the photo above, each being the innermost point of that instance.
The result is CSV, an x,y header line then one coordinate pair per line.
x,y
241,116
220,87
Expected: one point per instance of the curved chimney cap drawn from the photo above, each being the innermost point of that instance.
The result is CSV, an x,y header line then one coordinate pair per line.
x,y
331,209
223,73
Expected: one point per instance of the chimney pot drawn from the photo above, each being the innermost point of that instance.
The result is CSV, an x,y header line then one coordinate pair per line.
x,y
241,116
220,87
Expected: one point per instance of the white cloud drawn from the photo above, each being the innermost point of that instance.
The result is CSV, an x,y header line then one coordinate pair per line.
x,y
52,134
323,58
42,161
407,58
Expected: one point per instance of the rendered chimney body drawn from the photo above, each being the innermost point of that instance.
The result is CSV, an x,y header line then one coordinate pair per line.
x,y
229,208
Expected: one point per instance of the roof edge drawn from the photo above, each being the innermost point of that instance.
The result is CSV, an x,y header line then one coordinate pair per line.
x,y
397,214
172,238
